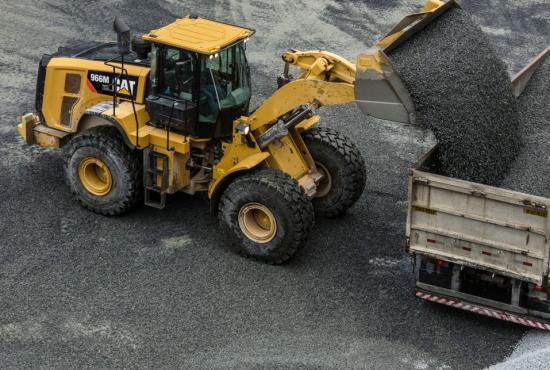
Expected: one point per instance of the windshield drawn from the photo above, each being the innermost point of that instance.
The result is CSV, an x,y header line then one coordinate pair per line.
x,y
224,82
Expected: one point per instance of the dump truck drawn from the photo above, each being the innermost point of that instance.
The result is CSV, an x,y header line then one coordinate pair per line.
x,y
480,248
169,112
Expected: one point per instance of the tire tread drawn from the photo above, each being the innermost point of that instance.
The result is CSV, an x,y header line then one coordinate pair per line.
x,y
107,138
286,187
355,171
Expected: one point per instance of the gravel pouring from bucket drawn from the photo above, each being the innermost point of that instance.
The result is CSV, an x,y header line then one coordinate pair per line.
x,y
379,90
437,69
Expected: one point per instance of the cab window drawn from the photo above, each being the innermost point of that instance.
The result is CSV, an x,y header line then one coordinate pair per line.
x,y
176,74
224,82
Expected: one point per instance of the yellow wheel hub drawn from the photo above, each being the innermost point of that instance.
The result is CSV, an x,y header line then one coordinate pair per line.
x,y
257,222
95,176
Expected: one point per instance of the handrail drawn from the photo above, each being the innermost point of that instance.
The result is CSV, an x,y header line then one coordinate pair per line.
x,y
124,72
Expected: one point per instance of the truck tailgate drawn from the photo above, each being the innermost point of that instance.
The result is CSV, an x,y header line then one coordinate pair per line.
x,y
476,225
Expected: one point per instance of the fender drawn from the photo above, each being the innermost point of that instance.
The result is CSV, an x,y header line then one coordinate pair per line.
x,y
124,121
218,186
93,119
307,124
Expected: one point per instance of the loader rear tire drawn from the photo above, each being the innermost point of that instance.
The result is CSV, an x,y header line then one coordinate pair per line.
x,y
266,215
102,173
343,166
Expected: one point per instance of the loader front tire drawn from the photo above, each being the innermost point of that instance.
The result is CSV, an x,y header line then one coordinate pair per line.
x,y
266,215
102,173
343,167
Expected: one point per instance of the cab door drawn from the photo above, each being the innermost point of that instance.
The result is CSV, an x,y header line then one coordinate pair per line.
x,y
173,101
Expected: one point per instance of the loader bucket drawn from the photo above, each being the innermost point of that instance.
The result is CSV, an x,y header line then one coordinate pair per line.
x,y
379,91
521,79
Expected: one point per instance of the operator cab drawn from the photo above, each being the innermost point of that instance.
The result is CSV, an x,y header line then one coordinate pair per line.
x,y
200,78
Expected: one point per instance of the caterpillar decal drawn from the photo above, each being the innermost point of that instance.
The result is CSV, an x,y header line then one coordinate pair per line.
x,y
102,83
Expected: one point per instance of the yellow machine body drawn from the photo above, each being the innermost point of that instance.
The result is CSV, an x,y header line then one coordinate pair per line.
x,y
71,104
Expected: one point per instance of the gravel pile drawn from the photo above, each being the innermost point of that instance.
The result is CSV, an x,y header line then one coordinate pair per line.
x,y
462,92
529,171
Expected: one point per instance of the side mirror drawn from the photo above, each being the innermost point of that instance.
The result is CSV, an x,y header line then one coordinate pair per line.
x,y
123,36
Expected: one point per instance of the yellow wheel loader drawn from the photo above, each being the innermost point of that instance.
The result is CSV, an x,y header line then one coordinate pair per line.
x,y
169,112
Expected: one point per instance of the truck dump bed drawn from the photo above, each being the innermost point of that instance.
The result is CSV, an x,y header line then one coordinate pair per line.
x,y
479,248
485,227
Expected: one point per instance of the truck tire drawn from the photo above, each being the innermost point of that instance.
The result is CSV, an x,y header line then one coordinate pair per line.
x,y
102,173
266,215
343,166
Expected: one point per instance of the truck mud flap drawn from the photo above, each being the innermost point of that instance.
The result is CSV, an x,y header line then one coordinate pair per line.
x,y
484,310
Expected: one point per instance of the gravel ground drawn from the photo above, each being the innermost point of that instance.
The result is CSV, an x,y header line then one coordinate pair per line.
x,y
462,92
532,352
158,289
527,172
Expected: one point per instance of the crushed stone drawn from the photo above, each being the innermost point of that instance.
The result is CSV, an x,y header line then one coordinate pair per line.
x,y
529,171
462,92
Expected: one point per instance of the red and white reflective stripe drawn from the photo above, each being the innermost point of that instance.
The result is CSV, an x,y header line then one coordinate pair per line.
x,y
484,311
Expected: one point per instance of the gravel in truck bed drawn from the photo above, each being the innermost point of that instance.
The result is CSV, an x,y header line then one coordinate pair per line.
x,y
462,92
529,172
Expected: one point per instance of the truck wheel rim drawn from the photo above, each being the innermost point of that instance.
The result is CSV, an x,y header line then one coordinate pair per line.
x,y
324,185
95,176
257,222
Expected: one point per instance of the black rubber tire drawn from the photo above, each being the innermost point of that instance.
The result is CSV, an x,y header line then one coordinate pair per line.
x,y
124,164
281,194
339,155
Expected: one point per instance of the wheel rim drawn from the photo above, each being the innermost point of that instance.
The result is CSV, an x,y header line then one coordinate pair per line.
x,y
257,222
95,176
325,184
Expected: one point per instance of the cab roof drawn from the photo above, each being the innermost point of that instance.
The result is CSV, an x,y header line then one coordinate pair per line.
x,y
198,34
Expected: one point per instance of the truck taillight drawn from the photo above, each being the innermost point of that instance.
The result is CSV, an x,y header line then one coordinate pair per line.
x,y
538,288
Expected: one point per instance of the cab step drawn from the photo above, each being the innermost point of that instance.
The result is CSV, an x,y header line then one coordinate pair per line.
x,y
155,168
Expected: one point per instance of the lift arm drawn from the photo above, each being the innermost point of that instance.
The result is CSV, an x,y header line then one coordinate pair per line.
x,y
328,79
